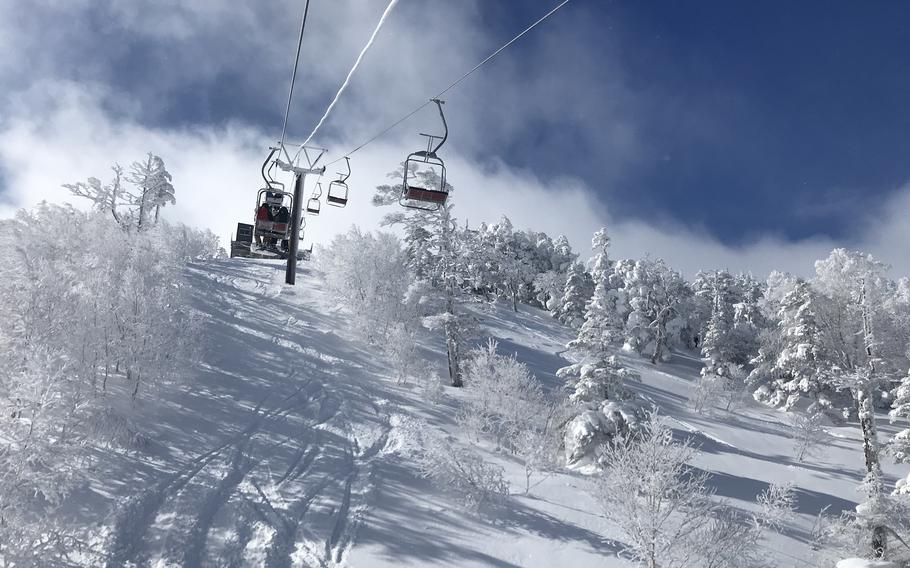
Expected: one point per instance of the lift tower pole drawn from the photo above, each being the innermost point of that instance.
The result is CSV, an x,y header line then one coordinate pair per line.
x,y
290,275
294,244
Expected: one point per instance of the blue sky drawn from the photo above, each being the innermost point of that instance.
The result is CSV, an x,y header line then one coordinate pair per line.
x,y
765,116
736,121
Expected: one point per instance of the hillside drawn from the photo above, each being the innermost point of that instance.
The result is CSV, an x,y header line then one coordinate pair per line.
x,y
283,448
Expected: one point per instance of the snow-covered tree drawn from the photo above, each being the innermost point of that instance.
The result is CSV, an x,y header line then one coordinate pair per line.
x,y
433,253
477,483
576,293
792,362
367,275
808,434
602,327
550,286
666,511
134,199
900,410
720,375
513,269
598,380
856,321
86,331
507,399
601,404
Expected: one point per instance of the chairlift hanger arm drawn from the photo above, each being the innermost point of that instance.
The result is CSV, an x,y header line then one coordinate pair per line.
x,y
266,167
445,135
343,177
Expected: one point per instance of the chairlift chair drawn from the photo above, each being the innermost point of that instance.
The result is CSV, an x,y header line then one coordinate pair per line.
x,y
279,225
417,195
279,202
337,195
312,204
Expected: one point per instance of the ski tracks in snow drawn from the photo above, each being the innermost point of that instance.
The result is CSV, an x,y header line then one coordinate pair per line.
x,y
290,488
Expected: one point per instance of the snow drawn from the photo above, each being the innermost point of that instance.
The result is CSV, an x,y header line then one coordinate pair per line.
x,y
860,563
286,446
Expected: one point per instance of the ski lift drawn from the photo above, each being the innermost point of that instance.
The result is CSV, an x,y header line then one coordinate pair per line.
x,y
274,222
417,195
338,189
271,216
312,204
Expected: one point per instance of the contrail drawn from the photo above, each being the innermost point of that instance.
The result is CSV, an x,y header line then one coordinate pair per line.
x,y
351,72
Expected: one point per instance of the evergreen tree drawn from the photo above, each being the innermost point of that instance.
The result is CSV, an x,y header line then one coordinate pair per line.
x,y
801,359
433,242
601,327
900,445
576,293
718,350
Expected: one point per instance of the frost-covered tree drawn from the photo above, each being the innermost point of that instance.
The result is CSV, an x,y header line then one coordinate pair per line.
x,y
791,362
900,444
576,293
463,471
433,242
86,331
602,406
153,188
550,286
594,382
730,312
513,269
856,322
666,511
808,434
508,404
134,199
647,296
841,339
801,358
367,275
720,375
602,327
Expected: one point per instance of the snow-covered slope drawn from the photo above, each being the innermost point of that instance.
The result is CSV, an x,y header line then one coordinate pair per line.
x,y
282,448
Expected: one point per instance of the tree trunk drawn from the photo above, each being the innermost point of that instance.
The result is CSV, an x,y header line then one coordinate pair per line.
x,y
451,329
661,338
866,411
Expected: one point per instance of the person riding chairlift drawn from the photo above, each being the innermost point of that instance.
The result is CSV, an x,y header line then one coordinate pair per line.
x,y
263,214
283,216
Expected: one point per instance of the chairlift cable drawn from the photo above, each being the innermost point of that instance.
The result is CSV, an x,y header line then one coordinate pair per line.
x,y
454,83
347,79
287,111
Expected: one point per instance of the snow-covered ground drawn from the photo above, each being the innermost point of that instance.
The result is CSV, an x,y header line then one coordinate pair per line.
x,y
282,448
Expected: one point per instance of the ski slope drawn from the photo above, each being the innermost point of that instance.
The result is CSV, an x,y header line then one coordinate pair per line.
x,y
281,448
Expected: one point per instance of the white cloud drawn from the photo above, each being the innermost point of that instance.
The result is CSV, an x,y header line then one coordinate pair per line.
x,y
216,172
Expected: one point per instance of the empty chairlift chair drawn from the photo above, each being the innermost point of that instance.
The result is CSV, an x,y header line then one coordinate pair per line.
x,y
337,195
428,191
312,204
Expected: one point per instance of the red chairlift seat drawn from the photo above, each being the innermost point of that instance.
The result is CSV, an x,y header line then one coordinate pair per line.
x,y
426,195
432,193
420,196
